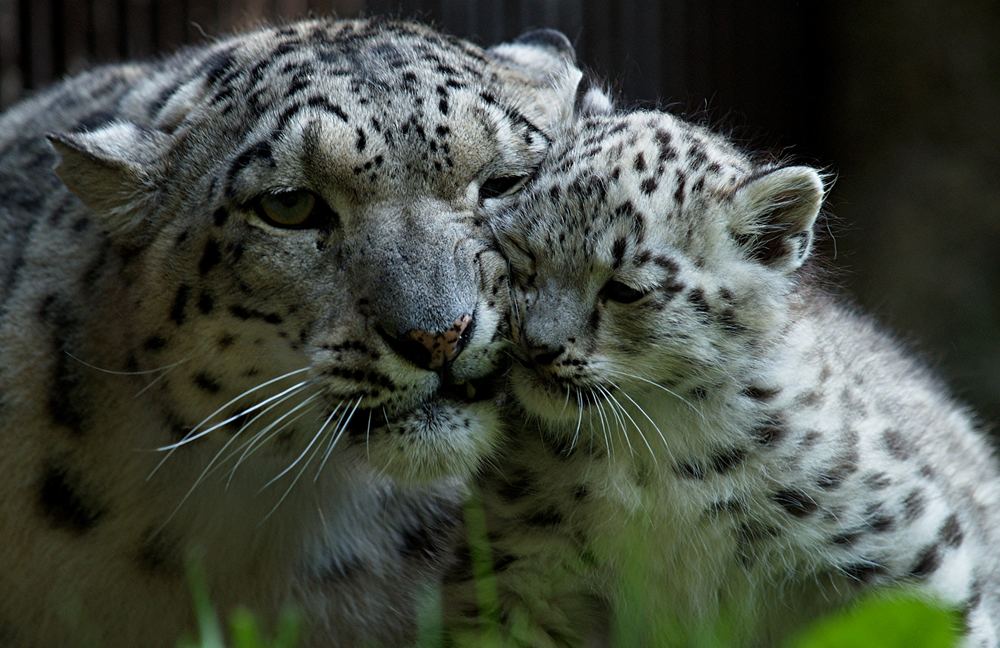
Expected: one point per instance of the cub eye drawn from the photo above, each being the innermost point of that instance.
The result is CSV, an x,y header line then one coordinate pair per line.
x,y
298,209
619,292
499,186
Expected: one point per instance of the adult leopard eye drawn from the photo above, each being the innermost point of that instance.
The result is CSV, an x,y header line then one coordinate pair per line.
x,y
619,292
297,209
500,186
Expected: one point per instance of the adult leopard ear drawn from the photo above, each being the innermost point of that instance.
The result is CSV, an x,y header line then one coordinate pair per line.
x,y
115,170
545,60
774,213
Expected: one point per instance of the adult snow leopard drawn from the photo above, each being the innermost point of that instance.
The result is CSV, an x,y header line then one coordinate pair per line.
x,y
265,258
703,417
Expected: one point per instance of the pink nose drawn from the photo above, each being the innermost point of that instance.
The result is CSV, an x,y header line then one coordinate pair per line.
x,y
442,347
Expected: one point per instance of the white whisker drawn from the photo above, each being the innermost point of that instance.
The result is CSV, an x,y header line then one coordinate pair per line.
x,y
613,405
191,436
305,466
368,431
659,386
262,437
565,402
579,418
188,438
608,442
318,435
113,372
335,435
634,424
643,412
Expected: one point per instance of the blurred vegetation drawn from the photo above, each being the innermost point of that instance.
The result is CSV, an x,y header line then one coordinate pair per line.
x,y
886,621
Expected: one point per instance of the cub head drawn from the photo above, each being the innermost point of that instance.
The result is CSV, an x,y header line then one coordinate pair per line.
x,y
649,256
299,214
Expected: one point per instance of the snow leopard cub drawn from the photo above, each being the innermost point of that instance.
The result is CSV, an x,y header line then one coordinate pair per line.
x,y
684,384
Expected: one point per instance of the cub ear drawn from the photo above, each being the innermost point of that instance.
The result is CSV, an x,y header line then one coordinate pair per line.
x,y
115,170
774,213
545,60
539,50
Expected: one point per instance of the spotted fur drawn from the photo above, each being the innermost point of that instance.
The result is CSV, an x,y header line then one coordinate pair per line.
x,y
180,378
705,423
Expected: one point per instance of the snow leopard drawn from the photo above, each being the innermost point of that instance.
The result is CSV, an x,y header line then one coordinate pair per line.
x,y
250,309
705,424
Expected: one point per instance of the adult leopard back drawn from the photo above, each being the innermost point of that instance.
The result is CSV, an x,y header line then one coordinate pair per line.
x,y
270,265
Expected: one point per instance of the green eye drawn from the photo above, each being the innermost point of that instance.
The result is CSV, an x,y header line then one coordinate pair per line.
x,y
298,209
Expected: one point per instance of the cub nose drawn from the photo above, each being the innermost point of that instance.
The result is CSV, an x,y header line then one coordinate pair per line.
x,y
433,350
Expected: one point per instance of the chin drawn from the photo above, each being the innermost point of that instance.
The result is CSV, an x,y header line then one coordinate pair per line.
x,y
439,439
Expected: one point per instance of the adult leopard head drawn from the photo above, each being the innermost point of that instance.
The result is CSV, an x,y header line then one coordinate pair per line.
x,y
299,211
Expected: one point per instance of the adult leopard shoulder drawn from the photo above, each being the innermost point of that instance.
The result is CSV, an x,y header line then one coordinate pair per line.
x,y
264,257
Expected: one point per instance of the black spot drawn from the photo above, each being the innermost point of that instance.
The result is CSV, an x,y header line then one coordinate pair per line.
x,y
154,343
547,517
795,502
244,313
179,304
64,398
618,253
205,303
913,505
951,532
834,477
733,506
502,561
897,445
927,562
327,106
216,65
699,392
516,487
156,556
210,257
697,299
863,572
845,539
595,319
768,433
220,216
258,151
207,383
61,501
726,460
878,520
648,185
690,470
751,532
877,481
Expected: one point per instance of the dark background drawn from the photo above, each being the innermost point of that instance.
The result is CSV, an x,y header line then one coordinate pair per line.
x,y
900,99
